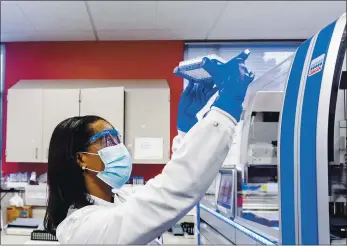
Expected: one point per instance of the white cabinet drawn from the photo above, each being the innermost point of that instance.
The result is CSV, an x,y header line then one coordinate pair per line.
x,y
34,113
107,103
137,108
24,125
147,115
58,105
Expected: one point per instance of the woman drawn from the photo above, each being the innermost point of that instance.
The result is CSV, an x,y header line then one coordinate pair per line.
x,y
86,160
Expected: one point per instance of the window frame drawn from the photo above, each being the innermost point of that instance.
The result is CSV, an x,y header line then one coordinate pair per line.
x,y
2,100
220,48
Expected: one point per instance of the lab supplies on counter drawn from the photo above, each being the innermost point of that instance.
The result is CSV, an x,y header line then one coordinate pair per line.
x,y
44,236
18,177
21,180
23,226
16,201
138,180
36,195
13,213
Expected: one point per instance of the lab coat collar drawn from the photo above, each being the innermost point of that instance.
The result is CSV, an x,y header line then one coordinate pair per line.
x,y
97,201
101,202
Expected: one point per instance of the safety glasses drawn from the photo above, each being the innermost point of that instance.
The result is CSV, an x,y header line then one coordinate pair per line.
x,y
106,138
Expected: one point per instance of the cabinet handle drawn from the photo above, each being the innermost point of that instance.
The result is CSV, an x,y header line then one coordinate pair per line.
x,y
36,152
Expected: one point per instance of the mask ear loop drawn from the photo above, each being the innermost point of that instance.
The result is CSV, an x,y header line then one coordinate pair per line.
x,y
89,153
86,168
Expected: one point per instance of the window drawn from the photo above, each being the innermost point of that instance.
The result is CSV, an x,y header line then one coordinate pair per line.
x,y
264,55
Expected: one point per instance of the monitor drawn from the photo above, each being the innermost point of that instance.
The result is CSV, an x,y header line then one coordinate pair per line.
x,y
225,196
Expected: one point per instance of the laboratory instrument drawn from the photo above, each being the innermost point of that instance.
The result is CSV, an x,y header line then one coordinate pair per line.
x,y
292,153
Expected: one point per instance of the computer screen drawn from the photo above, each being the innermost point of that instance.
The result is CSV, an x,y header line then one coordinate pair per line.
x,y
225,189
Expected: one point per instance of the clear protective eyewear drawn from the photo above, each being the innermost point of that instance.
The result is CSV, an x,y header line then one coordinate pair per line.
x,y
105,139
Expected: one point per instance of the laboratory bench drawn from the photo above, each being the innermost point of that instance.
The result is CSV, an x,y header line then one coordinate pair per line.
x,y
21,239
168,238
216,227
13,239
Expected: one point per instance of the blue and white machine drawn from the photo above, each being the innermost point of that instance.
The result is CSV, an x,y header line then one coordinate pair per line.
x,y
292,187
312,154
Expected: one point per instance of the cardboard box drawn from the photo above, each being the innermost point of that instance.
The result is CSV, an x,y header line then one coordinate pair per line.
x,y
18,212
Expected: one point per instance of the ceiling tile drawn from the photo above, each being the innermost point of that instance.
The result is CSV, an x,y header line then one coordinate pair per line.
x,y
57,15
122,15
152,35
189,14
275,20
133,35
165,20
12,18
47,36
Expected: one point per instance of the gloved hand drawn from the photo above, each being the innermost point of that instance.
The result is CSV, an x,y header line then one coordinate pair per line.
x,y
232,80
193,99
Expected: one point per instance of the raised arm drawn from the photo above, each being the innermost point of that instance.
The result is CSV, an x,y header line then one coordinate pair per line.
x,y
164,200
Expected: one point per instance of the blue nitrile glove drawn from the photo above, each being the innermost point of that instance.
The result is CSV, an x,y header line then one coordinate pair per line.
x,y
232,80
193,99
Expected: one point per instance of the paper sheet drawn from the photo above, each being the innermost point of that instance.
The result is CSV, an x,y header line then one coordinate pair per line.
x,y
148,148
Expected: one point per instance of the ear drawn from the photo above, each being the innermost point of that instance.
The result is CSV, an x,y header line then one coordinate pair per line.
x,y
80,159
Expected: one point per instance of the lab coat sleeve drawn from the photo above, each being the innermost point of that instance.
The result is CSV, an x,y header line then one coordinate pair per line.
x,y
122,194
177,141
164,200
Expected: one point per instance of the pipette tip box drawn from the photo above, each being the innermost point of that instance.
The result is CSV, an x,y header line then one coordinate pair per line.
x,y
193,69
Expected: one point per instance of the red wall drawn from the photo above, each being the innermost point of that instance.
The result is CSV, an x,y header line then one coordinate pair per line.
x,y
93,60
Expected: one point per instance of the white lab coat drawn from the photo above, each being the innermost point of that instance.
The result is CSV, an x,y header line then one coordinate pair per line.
x,y
120,197
165,199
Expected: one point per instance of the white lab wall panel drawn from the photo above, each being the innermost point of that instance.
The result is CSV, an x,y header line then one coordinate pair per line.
x,y
107,103
24,125
58,105
147,114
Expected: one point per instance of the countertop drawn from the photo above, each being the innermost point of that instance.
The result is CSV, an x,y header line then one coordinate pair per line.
x,y
168,238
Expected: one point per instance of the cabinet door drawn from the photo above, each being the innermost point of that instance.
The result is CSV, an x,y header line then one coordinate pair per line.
x,y
58,105
24,125
147,115
107,103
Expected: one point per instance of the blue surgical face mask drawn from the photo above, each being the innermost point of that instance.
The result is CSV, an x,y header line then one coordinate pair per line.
x,y
118,165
